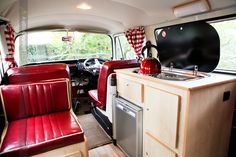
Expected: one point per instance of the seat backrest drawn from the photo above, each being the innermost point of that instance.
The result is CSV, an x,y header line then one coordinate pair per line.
x,y
32,99
106,70
35,73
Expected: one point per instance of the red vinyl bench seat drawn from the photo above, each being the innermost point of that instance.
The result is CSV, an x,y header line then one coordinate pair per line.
x,y
41,133
36,73
39,118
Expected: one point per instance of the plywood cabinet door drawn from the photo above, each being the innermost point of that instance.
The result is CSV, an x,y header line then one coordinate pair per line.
x,y
161,115
130,90
153,148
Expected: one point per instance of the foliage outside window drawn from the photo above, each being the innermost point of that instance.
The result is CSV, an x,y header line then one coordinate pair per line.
x,y
62,45
227,33
123,48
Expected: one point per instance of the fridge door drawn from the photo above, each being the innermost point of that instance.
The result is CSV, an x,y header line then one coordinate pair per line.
x,y
128,127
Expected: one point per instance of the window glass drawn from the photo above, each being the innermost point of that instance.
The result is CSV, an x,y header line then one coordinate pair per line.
x,y
227,33
123,48
118,47
62,45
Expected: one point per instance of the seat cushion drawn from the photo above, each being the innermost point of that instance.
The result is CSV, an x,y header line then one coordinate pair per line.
x,y
38,134
93,94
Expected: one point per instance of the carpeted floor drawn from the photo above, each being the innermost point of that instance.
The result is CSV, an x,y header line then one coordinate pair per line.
x,y
94,133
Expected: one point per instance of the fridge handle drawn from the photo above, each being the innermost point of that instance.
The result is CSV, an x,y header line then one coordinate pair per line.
x,y
126,110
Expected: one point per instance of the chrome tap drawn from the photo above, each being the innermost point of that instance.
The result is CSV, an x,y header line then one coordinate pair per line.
x,y
195,70
171,66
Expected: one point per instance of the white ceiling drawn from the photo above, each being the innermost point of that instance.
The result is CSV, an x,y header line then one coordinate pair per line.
x,y
110,16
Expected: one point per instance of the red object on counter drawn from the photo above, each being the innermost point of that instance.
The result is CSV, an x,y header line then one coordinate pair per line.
x,y
150,65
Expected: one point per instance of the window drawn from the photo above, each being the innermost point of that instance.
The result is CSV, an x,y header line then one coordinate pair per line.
x,y
227,33
63,45
123,48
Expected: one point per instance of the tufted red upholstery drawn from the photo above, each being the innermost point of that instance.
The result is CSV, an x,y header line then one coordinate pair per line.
x,y
38,134
38,125
106,70
27,100
35,73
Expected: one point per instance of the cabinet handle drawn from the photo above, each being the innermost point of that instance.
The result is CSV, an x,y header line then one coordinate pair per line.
x,y
127,84
147,109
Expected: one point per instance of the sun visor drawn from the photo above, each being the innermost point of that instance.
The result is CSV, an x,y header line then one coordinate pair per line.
x,y
187,45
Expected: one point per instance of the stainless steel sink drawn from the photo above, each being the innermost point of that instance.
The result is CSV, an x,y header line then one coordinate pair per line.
x,y
178,75
166,75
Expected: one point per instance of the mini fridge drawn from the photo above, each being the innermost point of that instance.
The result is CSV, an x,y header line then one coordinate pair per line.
x,y
127,127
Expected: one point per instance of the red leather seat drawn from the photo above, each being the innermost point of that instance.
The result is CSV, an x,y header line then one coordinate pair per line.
x,y
38,134
39,118
98,96
40,72
35,73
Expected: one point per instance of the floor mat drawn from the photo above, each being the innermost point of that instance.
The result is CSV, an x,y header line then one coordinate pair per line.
x,y
94,133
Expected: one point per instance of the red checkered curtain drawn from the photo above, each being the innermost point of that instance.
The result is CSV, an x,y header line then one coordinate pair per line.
x,y
135,37
7,46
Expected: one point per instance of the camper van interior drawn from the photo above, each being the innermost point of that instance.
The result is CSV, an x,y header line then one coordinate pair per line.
x,y
116,78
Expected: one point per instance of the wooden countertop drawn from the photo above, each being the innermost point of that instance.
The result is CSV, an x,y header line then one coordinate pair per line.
x,y
212,79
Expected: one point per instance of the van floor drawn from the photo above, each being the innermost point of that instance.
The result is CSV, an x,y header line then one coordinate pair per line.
x,y
108,150
96,136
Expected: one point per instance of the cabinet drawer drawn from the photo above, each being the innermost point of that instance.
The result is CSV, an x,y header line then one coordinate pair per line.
x,y
162,115
130,90
153,148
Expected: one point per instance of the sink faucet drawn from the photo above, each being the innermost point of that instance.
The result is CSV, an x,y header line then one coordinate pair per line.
x,y
195,70
171,66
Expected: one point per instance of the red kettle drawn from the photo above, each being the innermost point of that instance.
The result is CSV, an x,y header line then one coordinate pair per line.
x,y
150,65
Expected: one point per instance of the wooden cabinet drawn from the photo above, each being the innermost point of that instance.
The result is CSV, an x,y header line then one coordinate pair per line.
x,y
130,90
182,118
161,115
154,149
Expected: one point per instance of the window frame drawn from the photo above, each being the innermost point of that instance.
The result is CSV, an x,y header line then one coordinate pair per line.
x,y
212,20
116,36
221,19
51,30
